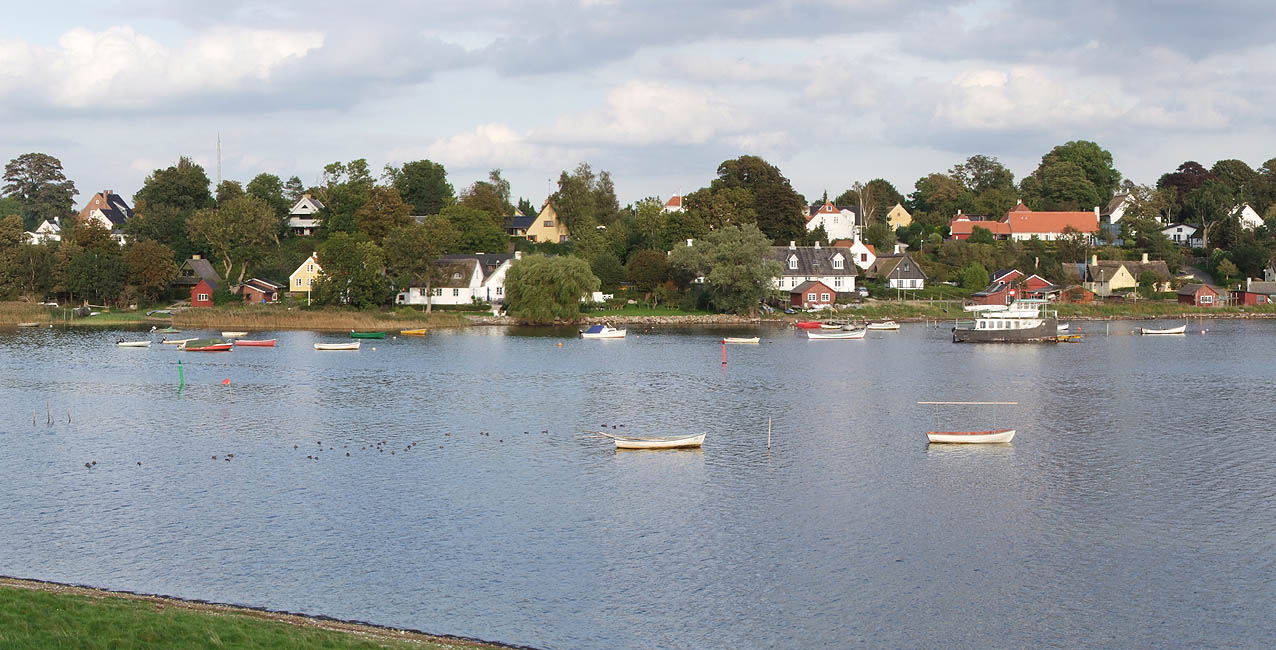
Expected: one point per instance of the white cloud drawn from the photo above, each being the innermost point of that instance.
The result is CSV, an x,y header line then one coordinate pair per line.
x,y
494,145
1026,97
648,113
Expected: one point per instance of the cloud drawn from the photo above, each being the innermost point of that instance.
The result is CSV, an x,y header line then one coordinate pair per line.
x,y
494,145
643,113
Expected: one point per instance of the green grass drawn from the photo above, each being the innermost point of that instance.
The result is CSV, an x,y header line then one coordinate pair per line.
x,y
39,619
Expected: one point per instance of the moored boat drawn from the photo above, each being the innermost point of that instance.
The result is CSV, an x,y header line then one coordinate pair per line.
x,y
1181,329
259,343
234,334
366,335
884,325
832,325
133,344
28,324
337,346
415,332
841,335
168,341
741,339
166,330
656,442
1021,322
207,345
807,324
971,437
604,331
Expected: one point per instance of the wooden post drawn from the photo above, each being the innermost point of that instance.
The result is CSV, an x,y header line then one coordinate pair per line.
x,y
768,433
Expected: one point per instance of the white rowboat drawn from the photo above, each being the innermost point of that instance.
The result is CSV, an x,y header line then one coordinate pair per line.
x,y
851,335
337,346
1181,329
971,437
741,339
671,442
168,341
232,334
133,344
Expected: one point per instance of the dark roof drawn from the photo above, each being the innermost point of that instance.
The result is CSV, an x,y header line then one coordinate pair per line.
x,y
193,270
1004,272
518,222
1255,286
489,261
1191,289
262,285
994,288
1115,203
116,209
450,269
886,266
814,261
801,288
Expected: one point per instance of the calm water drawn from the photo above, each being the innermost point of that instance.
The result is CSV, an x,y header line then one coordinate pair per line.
x,y
1135,508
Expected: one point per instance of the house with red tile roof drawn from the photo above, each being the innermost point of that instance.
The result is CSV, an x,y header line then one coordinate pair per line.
x,y
674,204
1021,223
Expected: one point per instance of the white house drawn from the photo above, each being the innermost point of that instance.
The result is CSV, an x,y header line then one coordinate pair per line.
x,y
839,223
108,209
466,279
47,231
830,265
301,218
1116,208
1183,234
1249,217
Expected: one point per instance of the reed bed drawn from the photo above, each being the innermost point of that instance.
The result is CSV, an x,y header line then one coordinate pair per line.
x,y
274,317
36,615
12,313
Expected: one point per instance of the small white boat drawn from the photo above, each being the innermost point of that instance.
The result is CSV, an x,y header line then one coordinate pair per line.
x,y
841,335
884,325
741,339
353,345
1181,329
133,344
1064,327
602,332
670,442
168,341
233,334
971,437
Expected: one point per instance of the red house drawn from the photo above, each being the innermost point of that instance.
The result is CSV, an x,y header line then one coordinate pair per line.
x,y
811,293
1199,295
258,290
1255,293
1038,287
202,294
997,293
1077,294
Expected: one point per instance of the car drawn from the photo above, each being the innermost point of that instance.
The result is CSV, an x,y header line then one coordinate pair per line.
x,y
862,291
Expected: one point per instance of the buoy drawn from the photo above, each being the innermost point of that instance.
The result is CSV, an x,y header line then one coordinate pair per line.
x,y
226,382
560,344
374,349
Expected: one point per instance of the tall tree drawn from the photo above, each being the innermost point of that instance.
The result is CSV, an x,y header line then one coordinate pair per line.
x,y
476,231
382,212
227,190
150,268
423,185
353,272
486,197
183,186
781,211
541,289
1061,185
733,261
36,181
236,231
294,189
412,250
270,189
345,188
1189,176
981,173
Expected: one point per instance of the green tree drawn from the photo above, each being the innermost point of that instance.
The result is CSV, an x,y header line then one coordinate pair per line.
x,y
486,197
165,224
27,269
183,186
270,189
733,260
382,212
1072,246
97,274
423,185
981,173
36,182
872,200
476,231
980,235
412,252
709,209
1060,185
780,210
576,200
540,289
608,269
11,232
527,208
1226,271
150,268
647,270
345,189
1239,177
353,273
237,231
936,198
880,236
227,190
1095,164
294,189
974,277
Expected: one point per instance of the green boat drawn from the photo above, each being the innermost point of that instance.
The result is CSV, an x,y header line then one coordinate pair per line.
x,y
366,335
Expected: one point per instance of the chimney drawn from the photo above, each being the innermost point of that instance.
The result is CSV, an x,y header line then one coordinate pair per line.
x,y
518,255
817,245
792,245
194,257
1145,258
959,212
1096,211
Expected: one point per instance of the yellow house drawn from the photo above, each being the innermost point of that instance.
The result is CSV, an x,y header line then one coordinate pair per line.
x,y
547,227
898,217
303,279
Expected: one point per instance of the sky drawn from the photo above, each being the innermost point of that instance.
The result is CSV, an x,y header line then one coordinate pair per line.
x,y
656,92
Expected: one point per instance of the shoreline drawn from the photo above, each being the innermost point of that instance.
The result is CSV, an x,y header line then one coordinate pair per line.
x,y
354,628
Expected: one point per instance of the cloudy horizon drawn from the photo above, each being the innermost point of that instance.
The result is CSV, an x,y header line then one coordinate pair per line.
x,y
659,93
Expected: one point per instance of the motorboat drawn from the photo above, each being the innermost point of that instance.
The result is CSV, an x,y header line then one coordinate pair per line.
x,y
1022,321
885,325
603,331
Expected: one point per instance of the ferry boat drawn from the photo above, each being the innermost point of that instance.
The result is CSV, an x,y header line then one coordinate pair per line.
x,y
1022,321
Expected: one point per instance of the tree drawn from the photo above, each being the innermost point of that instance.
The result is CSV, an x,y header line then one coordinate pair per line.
x,y
162,223
576,201
28,269
150,268
981,173
1061,185
540,289
183,186
937,197
11,232
382,212
1238,177
412,250
780,210
526,207
486,197
236,231
708,209
1189,176
1226,271
423,185
294,189
476,231
345,188
1071,246
97,274
607,268
880,236
647,270
974,277
36,182
733,261
227,190
353,272
1095,163
980,235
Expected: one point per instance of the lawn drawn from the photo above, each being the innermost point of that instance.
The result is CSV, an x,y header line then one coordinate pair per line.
x,y
39,619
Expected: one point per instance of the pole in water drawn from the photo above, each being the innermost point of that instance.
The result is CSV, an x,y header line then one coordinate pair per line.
x,y
724,352
768,433
181,375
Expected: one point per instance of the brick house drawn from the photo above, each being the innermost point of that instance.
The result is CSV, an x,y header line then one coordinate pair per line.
x,y
811,294
202,294
1198,295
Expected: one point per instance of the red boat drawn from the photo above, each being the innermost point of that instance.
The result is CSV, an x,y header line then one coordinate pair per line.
x,y
207,345
807,324
267,343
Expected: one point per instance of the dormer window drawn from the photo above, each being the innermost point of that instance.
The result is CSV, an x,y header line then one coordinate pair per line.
x,y
456,276
793,262
837,262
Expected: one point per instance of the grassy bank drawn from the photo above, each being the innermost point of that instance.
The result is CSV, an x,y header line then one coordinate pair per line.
x,y
38,615
12,313
276,317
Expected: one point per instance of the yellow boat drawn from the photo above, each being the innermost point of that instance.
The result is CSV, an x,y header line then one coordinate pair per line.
x,y
416,332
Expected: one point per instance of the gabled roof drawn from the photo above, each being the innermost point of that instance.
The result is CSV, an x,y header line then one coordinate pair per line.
x,y
195,269
1029,222
1000,276
964,225
992,289
826,207
519,222
886,265
1020,207
455,274
1116,202
306,206
674,201
488,262
801,288
112,205
813,261
1180,224
1191,289
1256,286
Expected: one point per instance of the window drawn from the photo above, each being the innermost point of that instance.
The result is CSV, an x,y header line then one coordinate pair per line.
x,y
1207,299
310,282
549,223
438,292
299,282
810,297
863,257
793,262
837,283
907,268
310,268
203,297
456,292
837,263
824,297
500,290
562,239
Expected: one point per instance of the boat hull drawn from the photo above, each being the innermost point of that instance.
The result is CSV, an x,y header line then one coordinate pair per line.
x,y
1043,332
807,324
741,339
1181,329
685,442
416,332
177,341
337,346
886,326
852,335
217,347
367,335
134,344
230,334
268,343
971,437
